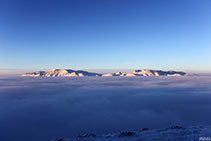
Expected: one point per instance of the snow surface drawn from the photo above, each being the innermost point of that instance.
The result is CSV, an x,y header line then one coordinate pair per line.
x,y
80,73
174,133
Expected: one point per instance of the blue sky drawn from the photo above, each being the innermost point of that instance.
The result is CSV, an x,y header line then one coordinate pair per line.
x,y
105,34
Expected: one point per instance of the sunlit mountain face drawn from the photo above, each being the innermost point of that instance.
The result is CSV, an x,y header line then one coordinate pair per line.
x,y
81,73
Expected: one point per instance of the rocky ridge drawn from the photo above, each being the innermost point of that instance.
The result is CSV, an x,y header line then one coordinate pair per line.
x,y
81,73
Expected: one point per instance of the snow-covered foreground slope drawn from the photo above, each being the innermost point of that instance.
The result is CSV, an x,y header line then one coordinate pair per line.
x,y
174,133
80,73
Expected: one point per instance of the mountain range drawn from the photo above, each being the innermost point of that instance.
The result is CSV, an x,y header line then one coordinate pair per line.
x,y
81,73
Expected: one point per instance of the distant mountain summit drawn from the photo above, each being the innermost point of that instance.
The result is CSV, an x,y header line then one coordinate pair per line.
x,y
81,73
61,73
146,72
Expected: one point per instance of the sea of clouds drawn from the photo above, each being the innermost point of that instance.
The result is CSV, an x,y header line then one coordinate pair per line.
x,y
39,109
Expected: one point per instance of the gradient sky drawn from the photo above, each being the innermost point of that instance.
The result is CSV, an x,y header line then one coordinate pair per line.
x,y
105,34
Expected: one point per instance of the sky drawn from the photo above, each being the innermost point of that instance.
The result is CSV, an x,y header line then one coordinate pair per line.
x,y
105,34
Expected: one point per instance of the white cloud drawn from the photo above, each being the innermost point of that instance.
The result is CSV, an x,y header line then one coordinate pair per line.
x,y
44,108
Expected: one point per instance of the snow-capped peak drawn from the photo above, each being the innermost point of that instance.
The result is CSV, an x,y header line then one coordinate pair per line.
x,y
81,73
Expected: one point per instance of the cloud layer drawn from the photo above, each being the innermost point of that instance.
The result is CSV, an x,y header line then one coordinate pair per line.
x,y
43,108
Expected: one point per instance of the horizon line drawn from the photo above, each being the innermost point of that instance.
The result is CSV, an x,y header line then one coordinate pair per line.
x,y
18,71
